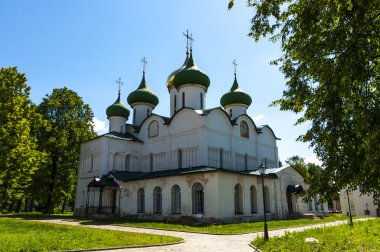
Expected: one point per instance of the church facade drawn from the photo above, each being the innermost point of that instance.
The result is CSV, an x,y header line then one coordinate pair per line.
x,y
198,162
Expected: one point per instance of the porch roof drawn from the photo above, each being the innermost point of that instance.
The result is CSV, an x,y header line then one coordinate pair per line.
x,y
130,176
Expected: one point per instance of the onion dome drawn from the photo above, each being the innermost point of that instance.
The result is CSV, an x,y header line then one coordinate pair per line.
x,y
169,82
117,109
142,95
235,96
191,74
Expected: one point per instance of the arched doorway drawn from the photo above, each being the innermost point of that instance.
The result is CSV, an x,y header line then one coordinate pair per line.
x,y
292,194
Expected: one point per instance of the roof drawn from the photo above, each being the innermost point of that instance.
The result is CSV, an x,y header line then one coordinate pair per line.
x,y
101,182
297,189
164,118
267,126
275,170
142,95
235,96
191,74
117,109
169,82
126,176
123,136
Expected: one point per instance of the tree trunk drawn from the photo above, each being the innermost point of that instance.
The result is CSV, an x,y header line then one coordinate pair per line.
x,y
53,176
18,205
26,207
63,207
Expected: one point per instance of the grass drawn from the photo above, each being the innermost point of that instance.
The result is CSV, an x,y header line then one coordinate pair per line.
x,y
24,235
363,236
217,229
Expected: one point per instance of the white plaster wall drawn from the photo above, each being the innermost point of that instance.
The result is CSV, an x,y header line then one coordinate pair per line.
x,y
174,106
141,111
117,124
227,183
268,148
208,180
163,130
236,109
102,149
243,145
358,203
192,96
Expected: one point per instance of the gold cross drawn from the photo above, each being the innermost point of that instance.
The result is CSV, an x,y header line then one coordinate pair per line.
x,y
143,60
235,65
120,83
188,37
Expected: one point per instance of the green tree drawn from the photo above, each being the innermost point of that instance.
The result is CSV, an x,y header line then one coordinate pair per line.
x,y
331,56
298,163
69,125
19,156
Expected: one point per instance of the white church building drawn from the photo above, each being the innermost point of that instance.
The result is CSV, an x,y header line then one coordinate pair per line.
x,y
200,162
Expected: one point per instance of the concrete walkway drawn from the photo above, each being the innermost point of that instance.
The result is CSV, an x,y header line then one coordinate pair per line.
x,y
195,242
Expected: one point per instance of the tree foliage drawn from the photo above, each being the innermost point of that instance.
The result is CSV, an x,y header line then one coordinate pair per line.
x,y
298,163
19,157
69,124
331,56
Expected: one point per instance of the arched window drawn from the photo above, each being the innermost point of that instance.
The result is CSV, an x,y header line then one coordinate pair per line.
x,y
310,205
175,103
253,198
176,199
127,166
238,197
153,129
147,112
197,194
230,112
201,100
221,158
183,99
316,202
246,161
117,162
244,130
91,163
267,199
157,200
141,201
150,162
134,116
179,158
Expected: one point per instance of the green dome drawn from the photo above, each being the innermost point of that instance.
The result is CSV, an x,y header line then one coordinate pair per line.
x,y
169,82
191,74
235,96
142,94
117,109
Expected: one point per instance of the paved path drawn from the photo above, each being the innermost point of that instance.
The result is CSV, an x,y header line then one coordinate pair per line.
x,y
195,242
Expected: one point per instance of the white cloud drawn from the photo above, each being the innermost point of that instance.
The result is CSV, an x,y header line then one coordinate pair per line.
x,y
313,159
99,126
258,117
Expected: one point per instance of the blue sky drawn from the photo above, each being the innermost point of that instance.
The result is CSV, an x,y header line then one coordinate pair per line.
x,y
87,45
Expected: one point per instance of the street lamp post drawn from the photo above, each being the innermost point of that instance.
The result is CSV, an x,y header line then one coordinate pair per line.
x,y
262,172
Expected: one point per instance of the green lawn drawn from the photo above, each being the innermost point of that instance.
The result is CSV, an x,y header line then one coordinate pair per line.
x,y
218,229
26,235
363,236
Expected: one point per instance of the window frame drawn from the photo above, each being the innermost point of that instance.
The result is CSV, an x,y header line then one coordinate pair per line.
x,y
197,194
141,200
244,129
157,200
176,199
